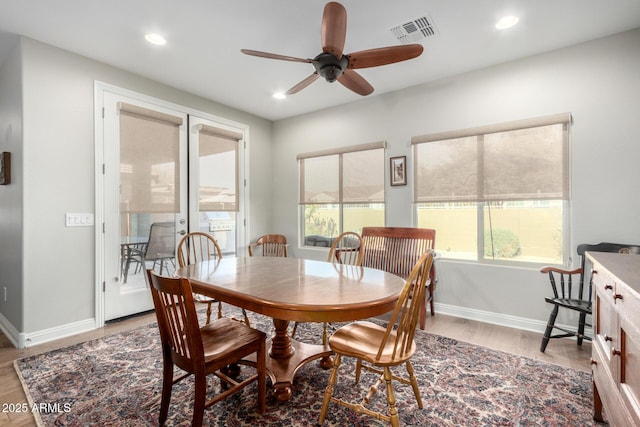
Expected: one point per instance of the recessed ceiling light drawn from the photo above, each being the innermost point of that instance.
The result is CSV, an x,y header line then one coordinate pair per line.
x,y
279,95
507,22
155,38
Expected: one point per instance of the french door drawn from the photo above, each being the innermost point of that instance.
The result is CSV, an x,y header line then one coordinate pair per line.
x,y
161,171
145,198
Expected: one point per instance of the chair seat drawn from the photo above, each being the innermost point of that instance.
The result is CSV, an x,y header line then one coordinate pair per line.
x,y
362,340
573,304
223,337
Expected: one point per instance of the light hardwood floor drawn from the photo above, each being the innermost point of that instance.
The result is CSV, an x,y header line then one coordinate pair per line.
x,y
563,352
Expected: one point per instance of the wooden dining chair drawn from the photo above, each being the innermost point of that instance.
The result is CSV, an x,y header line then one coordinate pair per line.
x,y
382,348
572,290
199,246
396,250
345,249
202,351
274,245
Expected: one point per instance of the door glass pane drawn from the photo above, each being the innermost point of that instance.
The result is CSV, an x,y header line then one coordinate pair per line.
x,y
140,243
222,226
218,165
149,192
215,177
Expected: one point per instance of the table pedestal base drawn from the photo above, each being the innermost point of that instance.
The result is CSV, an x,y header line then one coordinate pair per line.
x,y
282,371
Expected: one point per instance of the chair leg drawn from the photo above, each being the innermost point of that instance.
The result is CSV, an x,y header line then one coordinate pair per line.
x,y
246,318
329,390
431,303
547,332
294,329
219,310
358,370
391,398
583,319
167,385
324,333
208,313
423,313
200,385
414,383
261,366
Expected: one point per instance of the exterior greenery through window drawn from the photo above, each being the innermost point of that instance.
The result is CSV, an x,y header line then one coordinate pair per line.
x,y
341,190
496,193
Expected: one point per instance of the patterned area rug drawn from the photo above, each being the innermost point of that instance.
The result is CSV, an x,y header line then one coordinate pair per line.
x,y
116,381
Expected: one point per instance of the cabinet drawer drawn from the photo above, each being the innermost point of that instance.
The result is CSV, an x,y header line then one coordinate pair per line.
x,y
605,318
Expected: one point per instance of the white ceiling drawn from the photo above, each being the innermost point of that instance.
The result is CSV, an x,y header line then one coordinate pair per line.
x,y
202,55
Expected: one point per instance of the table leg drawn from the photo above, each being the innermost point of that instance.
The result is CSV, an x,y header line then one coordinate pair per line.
x,y
286,356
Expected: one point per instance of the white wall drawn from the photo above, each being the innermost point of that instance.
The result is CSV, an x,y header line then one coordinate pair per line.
x,y
58,177
11,195
598,82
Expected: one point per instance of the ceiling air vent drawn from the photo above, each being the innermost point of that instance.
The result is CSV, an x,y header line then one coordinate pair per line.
x,y
415,30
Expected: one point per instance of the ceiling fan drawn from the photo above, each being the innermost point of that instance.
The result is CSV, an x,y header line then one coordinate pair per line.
x,y
333,65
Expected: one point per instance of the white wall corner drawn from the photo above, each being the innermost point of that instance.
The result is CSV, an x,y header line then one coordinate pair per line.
x,y
10,331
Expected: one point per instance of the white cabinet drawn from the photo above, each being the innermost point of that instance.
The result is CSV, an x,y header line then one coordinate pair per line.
x,y
616,344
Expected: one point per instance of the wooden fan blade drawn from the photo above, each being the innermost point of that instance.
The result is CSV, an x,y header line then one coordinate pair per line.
x,y
354,81
383,55
306,82
274,56
334,29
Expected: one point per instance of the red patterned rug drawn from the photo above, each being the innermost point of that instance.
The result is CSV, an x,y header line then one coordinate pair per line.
x,y
116,381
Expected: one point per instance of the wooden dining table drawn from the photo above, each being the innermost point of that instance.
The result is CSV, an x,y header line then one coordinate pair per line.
x,y
300,290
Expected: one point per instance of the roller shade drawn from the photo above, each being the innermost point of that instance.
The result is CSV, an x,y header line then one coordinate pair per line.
x,y
218,157
344,175
149,160
498,162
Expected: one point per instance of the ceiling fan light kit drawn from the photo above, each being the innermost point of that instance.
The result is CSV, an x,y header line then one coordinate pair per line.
x,y
333,65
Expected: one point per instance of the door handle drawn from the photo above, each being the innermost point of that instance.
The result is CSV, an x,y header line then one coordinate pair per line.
x,y
182,232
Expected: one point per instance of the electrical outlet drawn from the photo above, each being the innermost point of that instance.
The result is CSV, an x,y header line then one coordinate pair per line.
x,y
4,288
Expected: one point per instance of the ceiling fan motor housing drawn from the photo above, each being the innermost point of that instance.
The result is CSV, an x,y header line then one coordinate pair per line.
x,y
330,67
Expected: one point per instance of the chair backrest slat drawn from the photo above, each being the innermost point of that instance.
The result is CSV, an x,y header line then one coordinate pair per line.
x,y
272,245
177,320
347,248
395,249
197,246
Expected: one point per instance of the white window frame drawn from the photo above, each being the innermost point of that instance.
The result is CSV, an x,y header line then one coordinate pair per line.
x,y
380,145
480,205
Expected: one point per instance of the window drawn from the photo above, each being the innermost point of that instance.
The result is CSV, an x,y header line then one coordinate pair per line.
x,y
341,190
496,193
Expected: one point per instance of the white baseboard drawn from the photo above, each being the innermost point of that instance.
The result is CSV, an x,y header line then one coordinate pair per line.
x,y
9,331
62,331
23,340
499,319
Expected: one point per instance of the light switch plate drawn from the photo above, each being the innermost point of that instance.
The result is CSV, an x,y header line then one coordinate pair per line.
x,y
79,219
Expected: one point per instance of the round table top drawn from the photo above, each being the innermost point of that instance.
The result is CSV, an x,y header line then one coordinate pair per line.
x,y
296,289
